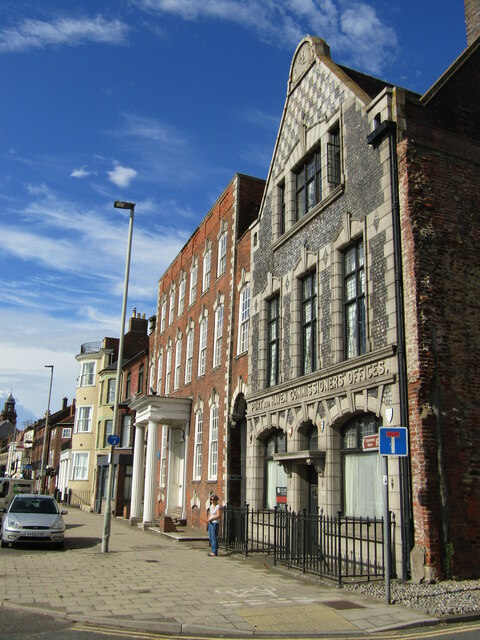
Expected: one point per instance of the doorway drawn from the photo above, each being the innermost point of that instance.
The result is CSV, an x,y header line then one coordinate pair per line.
x,y
176,471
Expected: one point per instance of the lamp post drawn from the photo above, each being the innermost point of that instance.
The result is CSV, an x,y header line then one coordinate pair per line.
x,y
118,204
45,431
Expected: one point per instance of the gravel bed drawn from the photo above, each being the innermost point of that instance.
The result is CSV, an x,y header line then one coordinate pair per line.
x,y
440,599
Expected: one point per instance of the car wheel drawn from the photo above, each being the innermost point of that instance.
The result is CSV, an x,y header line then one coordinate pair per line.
x,y
3,544
58,545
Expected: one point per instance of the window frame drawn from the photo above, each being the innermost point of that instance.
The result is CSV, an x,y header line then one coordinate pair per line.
x,y
181,296
178,364
244,319
168,370
213,442
207,267
75,456
126,418
217,341
304,180
88,420
202,347
189,356
273,344
192,296
222,254
357,337
88,374
309,327
197,451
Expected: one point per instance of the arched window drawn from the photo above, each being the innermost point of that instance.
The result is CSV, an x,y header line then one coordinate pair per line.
x,y
275,484
362,472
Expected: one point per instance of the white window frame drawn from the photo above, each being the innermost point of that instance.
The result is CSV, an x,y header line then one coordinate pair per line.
x,y
66,432
126,419
159,372
111,382
80,419
213,443
222,255
197,451
244,319
163,315
217,343
168,370
87,377
171,309
202,347
189,357
193,284
76,467
163,457
207,266
178,363
181,296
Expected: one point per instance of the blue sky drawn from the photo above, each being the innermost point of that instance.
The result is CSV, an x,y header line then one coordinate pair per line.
x,y
159,102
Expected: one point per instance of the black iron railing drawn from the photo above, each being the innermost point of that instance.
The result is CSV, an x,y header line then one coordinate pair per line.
x,y
336,547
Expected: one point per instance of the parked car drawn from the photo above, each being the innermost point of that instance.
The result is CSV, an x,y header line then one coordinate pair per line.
x,y
33,518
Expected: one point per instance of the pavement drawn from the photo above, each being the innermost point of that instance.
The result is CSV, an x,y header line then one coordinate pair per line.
x,y
150,581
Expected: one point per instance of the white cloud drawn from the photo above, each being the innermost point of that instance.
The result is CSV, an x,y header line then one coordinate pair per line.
x,y
38,34
121,176
353,29
80,173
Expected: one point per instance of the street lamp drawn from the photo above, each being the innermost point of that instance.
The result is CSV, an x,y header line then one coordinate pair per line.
x,y
118,204
44,452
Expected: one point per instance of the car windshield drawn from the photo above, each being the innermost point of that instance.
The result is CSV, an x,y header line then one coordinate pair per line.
x,y
33,505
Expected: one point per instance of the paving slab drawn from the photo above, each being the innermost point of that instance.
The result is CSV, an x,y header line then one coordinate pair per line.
x,y
149,581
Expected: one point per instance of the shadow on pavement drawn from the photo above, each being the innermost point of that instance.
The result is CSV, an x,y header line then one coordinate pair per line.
x,y
72,542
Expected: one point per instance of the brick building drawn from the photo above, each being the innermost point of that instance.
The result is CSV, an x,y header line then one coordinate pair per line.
x,y
365,274
195,411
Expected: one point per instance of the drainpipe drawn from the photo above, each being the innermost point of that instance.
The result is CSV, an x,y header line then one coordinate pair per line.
x,y
382,130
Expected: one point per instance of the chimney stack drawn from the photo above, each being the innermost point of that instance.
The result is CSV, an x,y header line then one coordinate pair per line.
x,y
472,20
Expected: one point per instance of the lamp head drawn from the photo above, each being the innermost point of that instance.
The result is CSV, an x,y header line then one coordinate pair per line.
x,y
120,204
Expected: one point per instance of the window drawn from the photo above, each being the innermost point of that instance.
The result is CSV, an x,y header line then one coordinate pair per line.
x,y
80,465
168,369
275,487
309,323
128,385
308,184
159,372
111,391
83,419
141,379
362,471
213,443
87,374
354,299
197,453
125,435
312,438
282,206
217,344
163,457
222,255
207,263
171,310
193,284
273,341
163,315
189,357
333,157
181,296
66,432
202,354
244,319
178,363
108,432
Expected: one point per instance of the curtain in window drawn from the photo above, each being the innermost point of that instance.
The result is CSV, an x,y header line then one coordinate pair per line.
x,y
362,474
275,477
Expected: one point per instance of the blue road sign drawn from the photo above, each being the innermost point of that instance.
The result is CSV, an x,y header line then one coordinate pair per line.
x,y
113,439
393,441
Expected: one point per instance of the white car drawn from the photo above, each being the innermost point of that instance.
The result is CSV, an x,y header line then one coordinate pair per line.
x,y
33,518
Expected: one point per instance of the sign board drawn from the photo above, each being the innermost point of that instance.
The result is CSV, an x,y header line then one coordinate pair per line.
x,y
370,443
393,441
281,495
113,439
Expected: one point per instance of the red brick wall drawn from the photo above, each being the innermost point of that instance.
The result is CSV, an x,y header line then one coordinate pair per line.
x,y
440,196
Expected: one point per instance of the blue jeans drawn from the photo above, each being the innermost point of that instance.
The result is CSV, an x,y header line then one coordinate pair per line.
x,y
213,536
